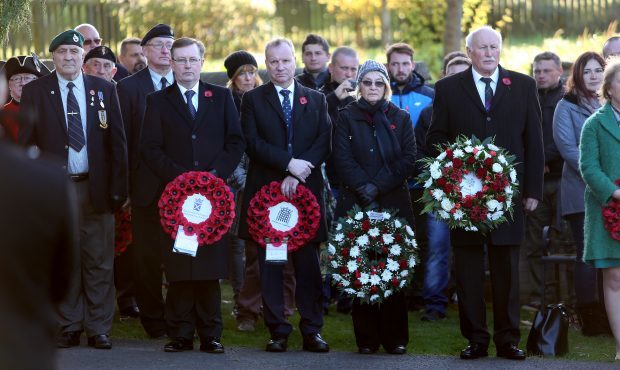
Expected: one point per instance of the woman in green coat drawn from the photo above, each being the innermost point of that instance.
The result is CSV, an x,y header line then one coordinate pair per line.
x,y
599,164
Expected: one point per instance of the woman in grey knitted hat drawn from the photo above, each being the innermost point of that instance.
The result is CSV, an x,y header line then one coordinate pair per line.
x,y
374,153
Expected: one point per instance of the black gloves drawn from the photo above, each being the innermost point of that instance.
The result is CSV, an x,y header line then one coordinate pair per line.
x,y
367,194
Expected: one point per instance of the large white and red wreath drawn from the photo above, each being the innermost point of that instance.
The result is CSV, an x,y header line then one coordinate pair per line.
x,y
371,254
273,218
199,202
470,185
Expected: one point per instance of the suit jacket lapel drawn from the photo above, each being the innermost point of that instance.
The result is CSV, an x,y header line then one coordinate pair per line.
x,y
203,105
272,97
91,112
468,84
147,82
298,107
178,102
56,100
501,88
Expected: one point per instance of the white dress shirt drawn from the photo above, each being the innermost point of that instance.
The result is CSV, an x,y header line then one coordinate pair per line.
x,y
194,98
77,161
480,86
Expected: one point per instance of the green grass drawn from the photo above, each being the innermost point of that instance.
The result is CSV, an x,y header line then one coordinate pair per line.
x,y
428,338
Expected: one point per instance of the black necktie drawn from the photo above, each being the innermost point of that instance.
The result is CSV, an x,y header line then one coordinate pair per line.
x,y
192,110
74,121
286,107
164,83
488,92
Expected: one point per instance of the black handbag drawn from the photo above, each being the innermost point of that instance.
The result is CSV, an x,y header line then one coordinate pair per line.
x,y
549,333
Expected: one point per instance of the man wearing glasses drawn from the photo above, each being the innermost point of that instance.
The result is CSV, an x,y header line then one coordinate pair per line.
x,y
147,237
20,70
192,126
93,40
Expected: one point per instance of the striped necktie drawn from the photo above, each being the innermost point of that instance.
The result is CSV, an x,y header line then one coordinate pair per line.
x,y
488,92
74,121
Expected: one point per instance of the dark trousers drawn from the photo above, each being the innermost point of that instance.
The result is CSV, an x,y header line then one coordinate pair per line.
x,y
308,291
381,324
587,290
194,306
148,241
470,276
123,279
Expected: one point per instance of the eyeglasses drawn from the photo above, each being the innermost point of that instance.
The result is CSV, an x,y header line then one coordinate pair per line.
x,y
192,61
159,45
87,42
369,83
24,79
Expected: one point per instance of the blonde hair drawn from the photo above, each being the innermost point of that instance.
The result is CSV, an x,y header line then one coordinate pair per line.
x,y
244,68
612,68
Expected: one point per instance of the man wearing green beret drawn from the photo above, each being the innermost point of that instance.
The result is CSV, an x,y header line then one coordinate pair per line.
x,y
76,118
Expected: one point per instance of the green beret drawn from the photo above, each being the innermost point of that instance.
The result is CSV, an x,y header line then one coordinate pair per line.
x,y
68,37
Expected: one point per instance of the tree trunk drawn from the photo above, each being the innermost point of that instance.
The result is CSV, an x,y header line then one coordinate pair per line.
x,y
386,24
452,35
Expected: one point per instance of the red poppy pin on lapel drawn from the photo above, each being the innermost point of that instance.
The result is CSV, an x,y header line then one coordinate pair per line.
x,y
208,93
393,127
303,100
507,81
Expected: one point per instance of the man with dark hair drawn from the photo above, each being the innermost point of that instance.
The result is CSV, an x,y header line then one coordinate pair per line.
x,y
487,100
314,54
131,55
192,126
288,135
147,240
76,117
611,48
547,69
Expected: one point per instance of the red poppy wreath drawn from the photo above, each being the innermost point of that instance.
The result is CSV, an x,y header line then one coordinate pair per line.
x,y
199,202
273,216
611,217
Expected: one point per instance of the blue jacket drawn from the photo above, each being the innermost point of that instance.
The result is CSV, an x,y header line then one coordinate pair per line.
x,y
413,98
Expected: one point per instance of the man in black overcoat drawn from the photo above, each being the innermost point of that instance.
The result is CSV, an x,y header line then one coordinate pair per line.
x,y
147,237
192,126
289,148
487,100
76,118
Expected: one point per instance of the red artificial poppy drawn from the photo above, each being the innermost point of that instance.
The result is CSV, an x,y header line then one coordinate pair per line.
x,y
208,93
303,100
507,81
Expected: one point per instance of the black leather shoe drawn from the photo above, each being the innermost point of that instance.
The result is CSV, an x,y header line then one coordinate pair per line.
x,y
366,350
101,341
314,343
276,345
130,312
511,352
398,350
212,346
474,351
179,345
68,339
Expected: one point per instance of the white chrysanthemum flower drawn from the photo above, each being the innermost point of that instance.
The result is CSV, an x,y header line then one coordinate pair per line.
x,y
334,264
402,283
502,159
337,278
339,237
438,194
388,238
349,221
471,228
486,155
375,280
495,215
352,265
492,147
447,165
386,215
513,176
339,227
458,153
435,170
508,203
411,262
386,275
497,168
361,294
331,249
441,156
362,240
364,278
345,283
467,142
350,291
395,250
373,232
493,204
359,216
444,215
387,293
392,265
458,214
469,149
374,297
409,230
428,183
397,224
354,252
508,190
404,273
446,204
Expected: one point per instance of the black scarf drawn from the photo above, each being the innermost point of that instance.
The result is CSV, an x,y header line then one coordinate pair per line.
x,y
386,140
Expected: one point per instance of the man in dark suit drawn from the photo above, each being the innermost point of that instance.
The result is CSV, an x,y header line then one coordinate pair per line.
x,y
77,118
490,101
288,135
192,126
147,243
38,241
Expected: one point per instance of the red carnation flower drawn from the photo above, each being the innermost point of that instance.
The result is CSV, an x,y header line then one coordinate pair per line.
x,y
471,160
488,162
449,154
366,225
457,163
481,173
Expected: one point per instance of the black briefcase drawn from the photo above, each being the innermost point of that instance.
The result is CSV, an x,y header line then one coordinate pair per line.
x,y
549,333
